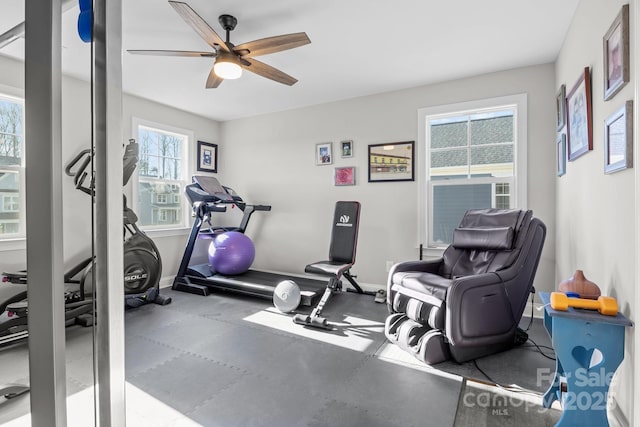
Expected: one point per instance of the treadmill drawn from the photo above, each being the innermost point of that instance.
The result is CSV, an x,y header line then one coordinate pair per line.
x,y
208,196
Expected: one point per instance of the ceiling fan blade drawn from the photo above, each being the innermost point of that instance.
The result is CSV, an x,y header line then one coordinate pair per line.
x,y
268,71
199,25
173,53
272,44
213,81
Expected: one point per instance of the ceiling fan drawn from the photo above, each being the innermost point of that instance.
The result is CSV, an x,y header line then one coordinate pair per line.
x,y
229,58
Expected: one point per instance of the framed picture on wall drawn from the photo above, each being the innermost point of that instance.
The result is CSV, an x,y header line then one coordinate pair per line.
x,y
207,157
616,54
618,139
345,176
323,154
391,162
346,148
561,154
579,126
561,112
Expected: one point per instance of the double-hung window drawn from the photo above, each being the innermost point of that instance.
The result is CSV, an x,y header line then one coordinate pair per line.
x,y
12,218
474,156
162,175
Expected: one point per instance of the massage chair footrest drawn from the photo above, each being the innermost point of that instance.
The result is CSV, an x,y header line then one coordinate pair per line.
x,y
423,342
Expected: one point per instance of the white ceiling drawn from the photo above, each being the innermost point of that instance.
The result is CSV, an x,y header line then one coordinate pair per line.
x,y
358,47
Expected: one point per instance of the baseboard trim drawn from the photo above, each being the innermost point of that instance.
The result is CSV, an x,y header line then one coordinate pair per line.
x,y
538,313
367,286
167,282
538,310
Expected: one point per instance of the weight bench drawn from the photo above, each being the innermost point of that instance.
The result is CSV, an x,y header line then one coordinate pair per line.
x,y
342,256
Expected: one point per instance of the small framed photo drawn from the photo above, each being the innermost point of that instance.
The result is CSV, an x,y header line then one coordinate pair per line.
x,y
207,157
561,112
618,139
579,126
345,176
391,162
323,154
346,148
616,54
561,154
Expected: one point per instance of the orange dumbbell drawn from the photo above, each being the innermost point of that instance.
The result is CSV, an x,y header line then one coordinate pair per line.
x,y
605,305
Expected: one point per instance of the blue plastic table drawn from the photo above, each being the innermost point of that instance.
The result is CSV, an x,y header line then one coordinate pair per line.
x,y
589,348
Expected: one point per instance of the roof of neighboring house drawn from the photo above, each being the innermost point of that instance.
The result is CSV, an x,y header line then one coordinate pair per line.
x,y
9,160
159,188
484,131
9,182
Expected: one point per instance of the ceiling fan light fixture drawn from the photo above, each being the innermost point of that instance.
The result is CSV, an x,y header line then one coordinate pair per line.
x,y
227,67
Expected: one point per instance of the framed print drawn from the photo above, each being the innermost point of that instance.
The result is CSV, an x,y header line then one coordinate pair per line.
x,y
391,162
323,154
616,54
579,126
345,176
618,139
561,157
346,148
561,112
207,157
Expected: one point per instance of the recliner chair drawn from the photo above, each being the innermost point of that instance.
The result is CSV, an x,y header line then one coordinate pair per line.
x,y
468,303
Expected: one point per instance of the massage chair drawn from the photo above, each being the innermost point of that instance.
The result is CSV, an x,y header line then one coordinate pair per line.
x,y
468,303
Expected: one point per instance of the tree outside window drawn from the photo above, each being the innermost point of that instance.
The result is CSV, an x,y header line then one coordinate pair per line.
x,y
11,167
161,167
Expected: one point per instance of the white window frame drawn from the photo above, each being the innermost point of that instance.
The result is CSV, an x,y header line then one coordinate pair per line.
x,y
185,168
17,240
518,183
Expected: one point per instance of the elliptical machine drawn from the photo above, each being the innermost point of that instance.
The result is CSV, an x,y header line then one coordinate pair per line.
x,y
142,261
142,265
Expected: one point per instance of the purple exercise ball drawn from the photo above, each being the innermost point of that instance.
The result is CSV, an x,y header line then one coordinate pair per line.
x,y
231,253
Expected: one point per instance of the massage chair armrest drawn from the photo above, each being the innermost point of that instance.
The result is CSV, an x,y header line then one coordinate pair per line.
x,y
478,311
422,266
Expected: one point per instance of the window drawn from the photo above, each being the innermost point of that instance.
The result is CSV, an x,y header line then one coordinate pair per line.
x,y
472,156
162,175
10,204
12,221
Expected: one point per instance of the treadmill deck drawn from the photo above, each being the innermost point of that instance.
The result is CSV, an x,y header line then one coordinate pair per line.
x,y
256,283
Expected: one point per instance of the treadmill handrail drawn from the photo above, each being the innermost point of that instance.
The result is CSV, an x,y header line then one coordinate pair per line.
x,y
202,209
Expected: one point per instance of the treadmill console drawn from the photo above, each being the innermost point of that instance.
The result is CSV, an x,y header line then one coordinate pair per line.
x,y
207,189
197,194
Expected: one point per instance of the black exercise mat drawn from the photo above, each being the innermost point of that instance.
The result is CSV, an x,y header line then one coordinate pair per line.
x,y
523,366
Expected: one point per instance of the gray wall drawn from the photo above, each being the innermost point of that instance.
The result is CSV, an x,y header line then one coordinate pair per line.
x,y
590,216
596,215
76,136
270,159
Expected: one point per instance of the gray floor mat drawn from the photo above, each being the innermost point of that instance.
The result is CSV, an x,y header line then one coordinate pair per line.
x,y
229,360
